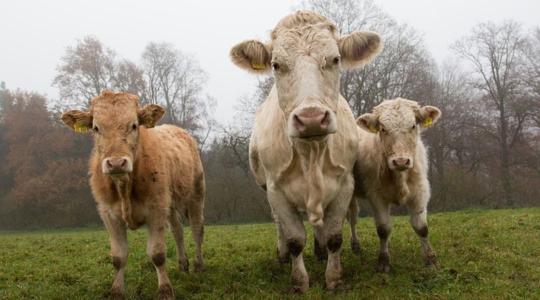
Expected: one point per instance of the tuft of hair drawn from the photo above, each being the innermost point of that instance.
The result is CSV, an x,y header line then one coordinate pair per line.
x,y
359,48
251,55
301,18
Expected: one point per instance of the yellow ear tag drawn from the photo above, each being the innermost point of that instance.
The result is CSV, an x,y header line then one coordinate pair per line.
x,y
80,128
373,129
427,122
257,66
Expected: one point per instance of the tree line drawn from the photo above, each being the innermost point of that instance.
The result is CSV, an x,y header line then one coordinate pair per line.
x,y
485,151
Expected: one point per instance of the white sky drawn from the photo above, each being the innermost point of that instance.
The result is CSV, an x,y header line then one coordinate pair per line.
x,y
34,34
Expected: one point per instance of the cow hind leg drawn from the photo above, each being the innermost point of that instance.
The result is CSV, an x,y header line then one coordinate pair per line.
x,y
178,234
319,244
384,228
420,226
157,251
119,251
353,219
196,222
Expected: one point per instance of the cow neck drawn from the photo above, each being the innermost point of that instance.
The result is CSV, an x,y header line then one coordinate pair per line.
x,y
397,178
124,185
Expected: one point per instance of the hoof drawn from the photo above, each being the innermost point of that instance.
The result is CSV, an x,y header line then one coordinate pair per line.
x,y
165,292
320,252
383,264
333,285
355,247
199,267
184,265
431,260
299,288
116,294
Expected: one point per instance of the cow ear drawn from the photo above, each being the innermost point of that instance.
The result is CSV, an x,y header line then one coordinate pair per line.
x,y
149,115
369,122
427,115
359,48
252,56
80,121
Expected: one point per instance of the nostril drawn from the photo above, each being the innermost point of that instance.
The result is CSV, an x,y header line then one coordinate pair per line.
x,y
123,164
108,162
326,119
394,162
407,162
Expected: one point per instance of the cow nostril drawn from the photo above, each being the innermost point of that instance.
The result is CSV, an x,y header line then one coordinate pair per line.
x,y
394,161
123,164
407,162
108,162
297,120
326,119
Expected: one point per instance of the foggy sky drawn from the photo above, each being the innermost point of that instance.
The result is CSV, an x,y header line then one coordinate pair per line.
x,y
35,34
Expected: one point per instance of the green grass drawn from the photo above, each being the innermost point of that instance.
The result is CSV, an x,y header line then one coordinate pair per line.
x,y
483,255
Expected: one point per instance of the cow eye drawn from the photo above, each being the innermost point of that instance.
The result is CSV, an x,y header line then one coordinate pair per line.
x,y
95,129
275,66
336,60
383,130
134,127
414,126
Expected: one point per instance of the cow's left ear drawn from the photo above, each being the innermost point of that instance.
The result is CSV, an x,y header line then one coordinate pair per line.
x,y
252,56
359,48
427,115
149,115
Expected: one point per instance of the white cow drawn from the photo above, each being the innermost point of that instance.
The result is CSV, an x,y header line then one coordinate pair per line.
x,y
304,142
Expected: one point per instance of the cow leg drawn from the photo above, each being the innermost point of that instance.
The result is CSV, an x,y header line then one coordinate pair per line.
x,y
295,236
319,244
282,250
353,219
335,214
420,226
178,234
196,222
119,251
384,228
157,251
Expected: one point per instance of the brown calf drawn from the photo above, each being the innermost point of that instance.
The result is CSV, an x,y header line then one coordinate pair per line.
x,y
142,175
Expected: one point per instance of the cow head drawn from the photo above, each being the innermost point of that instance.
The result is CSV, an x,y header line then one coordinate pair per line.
x,y
306,56
114,120
398,124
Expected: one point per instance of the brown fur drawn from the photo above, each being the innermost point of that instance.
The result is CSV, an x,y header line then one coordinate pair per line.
x,y
166,178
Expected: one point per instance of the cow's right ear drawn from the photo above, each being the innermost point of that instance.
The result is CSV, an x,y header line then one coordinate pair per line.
x,y
369,122
252,56
80,121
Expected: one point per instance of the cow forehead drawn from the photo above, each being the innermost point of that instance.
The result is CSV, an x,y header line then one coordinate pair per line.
x,y
395,114
114,108
306,40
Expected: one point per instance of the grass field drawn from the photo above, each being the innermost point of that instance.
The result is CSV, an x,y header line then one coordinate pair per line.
x,y
483,255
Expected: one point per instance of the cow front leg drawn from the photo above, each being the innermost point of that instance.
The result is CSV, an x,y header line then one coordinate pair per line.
x,y
156,250
420,226
294,235
335,214
319,244
283,254
384,228
119,250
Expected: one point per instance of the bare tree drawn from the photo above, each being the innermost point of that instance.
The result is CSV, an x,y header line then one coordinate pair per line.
x,y
494,53
129,78
85,70
176,81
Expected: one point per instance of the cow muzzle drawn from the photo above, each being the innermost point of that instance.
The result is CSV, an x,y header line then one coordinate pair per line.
x,y
116,165
400,163
312,122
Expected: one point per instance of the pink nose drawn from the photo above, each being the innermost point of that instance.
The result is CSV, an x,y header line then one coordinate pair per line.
x,y
116,165
311,121
401,162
